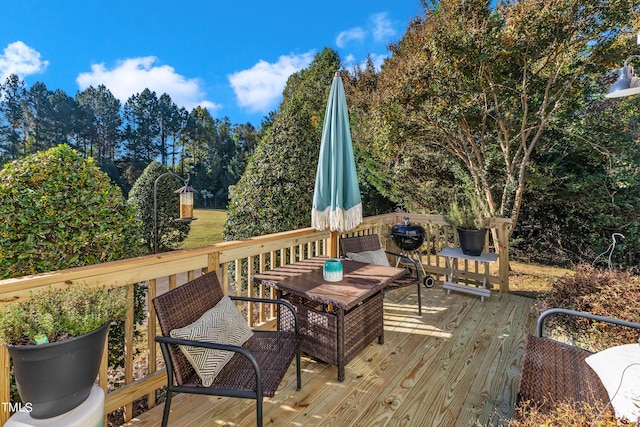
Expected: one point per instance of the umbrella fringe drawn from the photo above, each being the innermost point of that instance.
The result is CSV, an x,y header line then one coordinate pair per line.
x,y
338,219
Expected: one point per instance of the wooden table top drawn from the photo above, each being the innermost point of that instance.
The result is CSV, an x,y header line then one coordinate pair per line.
x,y
304,278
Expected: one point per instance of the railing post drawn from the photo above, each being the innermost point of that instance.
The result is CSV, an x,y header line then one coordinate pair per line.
x,y
5,390
503,254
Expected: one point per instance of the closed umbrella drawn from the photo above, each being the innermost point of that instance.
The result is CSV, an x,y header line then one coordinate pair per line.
x,y
336,200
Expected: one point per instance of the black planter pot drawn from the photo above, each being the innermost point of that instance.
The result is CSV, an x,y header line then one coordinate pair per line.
x,y
57,377
472,241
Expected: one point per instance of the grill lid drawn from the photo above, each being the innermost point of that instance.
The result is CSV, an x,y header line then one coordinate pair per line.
x,y
408,236
407,229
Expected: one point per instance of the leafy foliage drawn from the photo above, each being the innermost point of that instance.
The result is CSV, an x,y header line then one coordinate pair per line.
x,y
170,232
217,154
601,292
124,139
584,184
60,211
481,85
275,193
62,313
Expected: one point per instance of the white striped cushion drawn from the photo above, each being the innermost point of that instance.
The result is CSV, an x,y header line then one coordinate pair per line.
x,y
223,324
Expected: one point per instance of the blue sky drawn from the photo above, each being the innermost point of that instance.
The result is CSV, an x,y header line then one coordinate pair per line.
x,y
232,57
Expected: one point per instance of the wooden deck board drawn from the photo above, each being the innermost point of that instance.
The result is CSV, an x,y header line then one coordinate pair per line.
x,y
456,365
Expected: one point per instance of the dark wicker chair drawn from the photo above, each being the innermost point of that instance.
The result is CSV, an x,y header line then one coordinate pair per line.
x,y
553,372
371,242
255,371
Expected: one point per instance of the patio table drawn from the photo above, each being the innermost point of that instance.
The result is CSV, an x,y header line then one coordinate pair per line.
x,y
337,319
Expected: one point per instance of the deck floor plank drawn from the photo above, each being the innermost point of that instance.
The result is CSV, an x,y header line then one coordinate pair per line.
x,y
409,363
456,365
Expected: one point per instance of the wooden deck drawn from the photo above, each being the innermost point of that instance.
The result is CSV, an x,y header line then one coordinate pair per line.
x,y
456,365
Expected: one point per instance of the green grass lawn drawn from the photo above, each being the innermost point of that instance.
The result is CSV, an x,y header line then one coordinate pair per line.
x,y
207,229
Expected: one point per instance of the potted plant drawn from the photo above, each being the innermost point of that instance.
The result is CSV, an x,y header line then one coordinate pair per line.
x,y
468,220
56,340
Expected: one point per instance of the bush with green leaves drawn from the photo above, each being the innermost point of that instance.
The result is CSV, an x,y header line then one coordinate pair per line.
x,y
62,313
171,233
275,192
60,211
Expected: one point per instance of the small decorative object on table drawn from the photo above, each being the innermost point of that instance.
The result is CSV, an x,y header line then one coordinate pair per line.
x,y
332,270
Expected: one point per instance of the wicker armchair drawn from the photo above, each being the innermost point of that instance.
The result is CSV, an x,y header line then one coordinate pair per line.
x,y
256,369
552,372
372,243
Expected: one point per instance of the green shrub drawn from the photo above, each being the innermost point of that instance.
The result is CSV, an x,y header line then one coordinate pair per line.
x,y
171,233
602,292
60,211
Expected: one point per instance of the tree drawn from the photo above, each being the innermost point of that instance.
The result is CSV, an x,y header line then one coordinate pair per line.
x,y
276,190
583,184
170,120
170,232
38,119
142,126
12,131
483,85
60,211
103,110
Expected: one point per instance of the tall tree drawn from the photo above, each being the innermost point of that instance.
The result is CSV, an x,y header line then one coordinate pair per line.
x,y
103,110
66,121
38,118
12,130
276,190
170,123
483,84
197,133
142,126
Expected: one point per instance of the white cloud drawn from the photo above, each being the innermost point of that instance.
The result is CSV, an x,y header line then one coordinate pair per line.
x,y
346,36
382,27
133,75
20,59
260,87
377,59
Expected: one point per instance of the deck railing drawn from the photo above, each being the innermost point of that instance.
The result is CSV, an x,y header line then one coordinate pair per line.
x,y
235,262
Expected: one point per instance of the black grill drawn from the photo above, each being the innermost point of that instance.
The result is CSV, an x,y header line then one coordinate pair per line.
x,y
408,237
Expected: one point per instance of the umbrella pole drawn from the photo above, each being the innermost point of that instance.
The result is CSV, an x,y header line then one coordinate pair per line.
x,y
333,244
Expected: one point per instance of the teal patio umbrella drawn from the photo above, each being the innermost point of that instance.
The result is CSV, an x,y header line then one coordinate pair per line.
x,y
336,200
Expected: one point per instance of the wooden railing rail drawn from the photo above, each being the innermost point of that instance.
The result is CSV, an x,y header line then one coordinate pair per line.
x,y
235,262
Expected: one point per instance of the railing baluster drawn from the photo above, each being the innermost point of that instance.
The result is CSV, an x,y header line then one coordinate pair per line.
x,y
152,364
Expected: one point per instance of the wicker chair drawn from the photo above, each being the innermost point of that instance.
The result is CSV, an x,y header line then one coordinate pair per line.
x,y
553,372
372,243
255,371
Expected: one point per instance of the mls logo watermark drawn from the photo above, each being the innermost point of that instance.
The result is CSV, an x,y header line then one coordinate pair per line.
x,y
16,406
